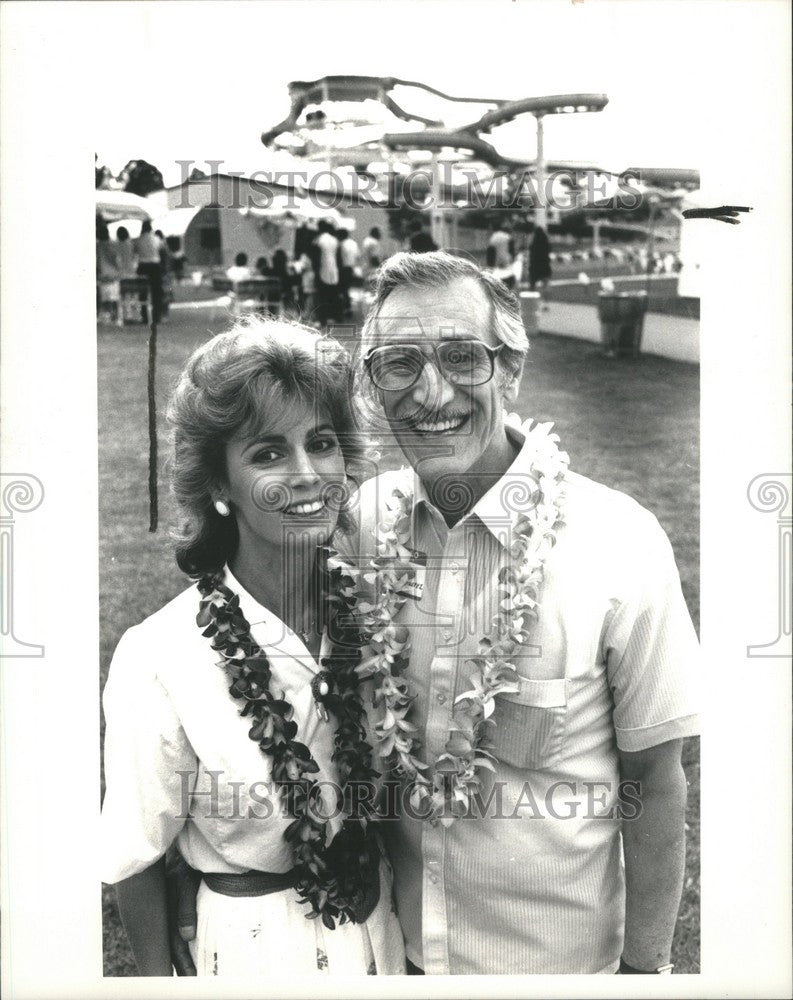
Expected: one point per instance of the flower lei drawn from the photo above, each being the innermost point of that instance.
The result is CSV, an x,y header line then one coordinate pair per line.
x,y
335,879
447,791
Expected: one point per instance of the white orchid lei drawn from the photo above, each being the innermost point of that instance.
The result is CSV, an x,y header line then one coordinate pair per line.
x,y
447,790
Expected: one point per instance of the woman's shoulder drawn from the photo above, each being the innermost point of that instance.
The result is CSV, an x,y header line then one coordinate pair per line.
x,y
163,635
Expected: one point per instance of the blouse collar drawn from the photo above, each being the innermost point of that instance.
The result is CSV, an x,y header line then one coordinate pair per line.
x,y
270,632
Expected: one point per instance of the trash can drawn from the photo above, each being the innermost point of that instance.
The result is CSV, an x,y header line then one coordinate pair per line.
x,y
530,311
622,321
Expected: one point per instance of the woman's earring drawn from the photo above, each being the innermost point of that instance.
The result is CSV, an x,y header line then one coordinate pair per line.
x,y
222,508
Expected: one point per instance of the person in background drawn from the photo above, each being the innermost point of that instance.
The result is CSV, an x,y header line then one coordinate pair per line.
x,y
306,286
282,273
108,288
372,251
165,268
327,274
501,255
125,254
503,246
539,259
177,257
304,239
147,246
348,261
420,240
262,267
239,270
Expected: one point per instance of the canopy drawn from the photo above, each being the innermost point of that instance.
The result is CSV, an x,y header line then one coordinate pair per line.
x,y
300,210
117,205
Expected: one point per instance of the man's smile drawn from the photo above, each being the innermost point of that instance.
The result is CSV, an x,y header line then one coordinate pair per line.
x,y
440,423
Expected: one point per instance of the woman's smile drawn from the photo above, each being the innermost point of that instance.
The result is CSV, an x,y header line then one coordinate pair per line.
x,y
306,508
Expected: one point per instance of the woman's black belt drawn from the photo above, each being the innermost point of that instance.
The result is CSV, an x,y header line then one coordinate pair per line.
x,y
250,883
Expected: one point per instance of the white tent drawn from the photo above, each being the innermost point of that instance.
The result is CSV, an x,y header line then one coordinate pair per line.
x,y
302,210
172,223
117,205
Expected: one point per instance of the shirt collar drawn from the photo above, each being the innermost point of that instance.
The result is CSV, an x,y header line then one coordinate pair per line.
x,y
268,629
506,499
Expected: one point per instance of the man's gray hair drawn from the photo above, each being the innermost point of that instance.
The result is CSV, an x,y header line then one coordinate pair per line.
x,y
438,269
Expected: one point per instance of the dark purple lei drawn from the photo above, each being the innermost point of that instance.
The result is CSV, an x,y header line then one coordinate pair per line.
x,y
336,879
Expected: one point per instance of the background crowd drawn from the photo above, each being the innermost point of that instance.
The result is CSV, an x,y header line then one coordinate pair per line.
x,y
151,258
327,269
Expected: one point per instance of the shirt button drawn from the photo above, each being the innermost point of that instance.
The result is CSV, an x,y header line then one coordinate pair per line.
x,y
434,879
454,567
447,634
433,822
441,698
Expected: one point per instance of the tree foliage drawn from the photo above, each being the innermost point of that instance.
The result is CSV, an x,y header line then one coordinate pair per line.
x,y
101,173
141,178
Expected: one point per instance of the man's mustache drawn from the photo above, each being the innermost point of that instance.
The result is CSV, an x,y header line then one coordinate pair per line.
x,y
425,413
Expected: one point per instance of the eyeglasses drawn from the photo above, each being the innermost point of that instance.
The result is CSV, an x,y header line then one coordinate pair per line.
x,y
396,367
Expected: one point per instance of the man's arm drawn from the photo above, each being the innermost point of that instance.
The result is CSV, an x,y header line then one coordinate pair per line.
x,y
654,844
143,908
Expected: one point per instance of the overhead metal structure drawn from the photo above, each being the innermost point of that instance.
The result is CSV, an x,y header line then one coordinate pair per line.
x,y
310,130
363,122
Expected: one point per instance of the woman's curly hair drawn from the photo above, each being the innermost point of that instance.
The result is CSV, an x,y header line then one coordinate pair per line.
x,y
228,385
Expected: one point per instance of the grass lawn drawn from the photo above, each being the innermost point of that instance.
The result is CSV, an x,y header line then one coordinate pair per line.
x,y
631,424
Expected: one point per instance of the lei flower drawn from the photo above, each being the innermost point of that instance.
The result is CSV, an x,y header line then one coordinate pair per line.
x,y
447,790
337,879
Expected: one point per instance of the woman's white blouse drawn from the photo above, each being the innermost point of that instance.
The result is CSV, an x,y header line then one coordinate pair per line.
x,y
179,763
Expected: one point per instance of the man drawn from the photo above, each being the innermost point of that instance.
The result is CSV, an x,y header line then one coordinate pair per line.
x,y
372,250
605,697
348,261
501,254
147,248
531,881
420,239
502,244
239,270
326,269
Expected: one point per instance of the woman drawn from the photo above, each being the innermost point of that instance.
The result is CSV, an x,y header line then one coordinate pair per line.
x,y
107,277
220,724
125,253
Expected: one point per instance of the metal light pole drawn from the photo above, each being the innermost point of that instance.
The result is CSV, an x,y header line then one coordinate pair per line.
x,y
539,107
541,209
437,227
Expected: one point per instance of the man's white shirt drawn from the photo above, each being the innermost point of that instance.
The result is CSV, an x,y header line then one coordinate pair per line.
x,y
536,885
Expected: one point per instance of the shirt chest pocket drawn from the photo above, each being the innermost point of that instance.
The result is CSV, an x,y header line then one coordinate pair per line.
x,y
530,724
